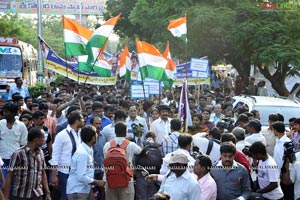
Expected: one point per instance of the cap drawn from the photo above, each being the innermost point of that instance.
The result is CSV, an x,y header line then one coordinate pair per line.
x,y
238,132
178,157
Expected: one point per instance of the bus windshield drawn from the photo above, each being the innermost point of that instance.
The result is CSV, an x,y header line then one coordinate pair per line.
x,y
10,62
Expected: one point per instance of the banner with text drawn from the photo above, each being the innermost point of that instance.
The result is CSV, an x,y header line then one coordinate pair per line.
x,y
55,7
69,69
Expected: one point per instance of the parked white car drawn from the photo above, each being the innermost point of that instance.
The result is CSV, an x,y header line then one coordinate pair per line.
x,y
267,105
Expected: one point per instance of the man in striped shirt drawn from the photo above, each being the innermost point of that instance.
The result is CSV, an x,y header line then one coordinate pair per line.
x,y
170,142
27,168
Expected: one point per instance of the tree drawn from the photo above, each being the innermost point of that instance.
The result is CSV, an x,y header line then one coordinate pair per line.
x,y
53,33
15,26
270,39
237,31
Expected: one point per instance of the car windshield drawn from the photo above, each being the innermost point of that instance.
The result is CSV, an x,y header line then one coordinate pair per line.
x,y
287,112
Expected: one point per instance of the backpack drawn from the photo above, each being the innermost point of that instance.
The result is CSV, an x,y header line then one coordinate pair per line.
x,y
150,158
118,171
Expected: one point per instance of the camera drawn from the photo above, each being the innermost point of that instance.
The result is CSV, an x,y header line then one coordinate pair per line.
x,y
137,129
289,152
246,151
226,123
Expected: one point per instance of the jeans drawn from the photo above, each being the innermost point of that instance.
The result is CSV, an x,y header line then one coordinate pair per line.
x,y
62,185
5,173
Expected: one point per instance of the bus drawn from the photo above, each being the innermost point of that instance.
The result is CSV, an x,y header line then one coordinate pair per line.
x,y
17,59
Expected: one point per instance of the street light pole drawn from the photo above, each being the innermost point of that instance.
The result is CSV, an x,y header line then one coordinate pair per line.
x,y
40,74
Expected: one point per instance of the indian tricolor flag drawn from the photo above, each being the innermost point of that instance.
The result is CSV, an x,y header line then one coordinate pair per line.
x,y
125,64
100,37
101,66
178,28
76,37
152,63
170,68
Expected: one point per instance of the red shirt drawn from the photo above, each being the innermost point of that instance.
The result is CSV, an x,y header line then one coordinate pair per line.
x,y
241,158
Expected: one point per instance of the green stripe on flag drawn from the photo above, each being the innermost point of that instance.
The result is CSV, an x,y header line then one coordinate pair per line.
x,y
183,37
75,49
168,84
102,71
84,67
156,73
97,41
127,76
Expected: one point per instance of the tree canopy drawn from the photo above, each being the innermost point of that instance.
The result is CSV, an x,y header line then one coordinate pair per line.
x,y
238,32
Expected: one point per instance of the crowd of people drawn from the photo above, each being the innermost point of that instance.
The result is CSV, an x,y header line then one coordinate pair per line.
x,y
89,142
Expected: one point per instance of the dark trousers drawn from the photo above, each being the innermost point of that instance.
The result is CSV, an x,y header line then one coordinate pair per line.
x,y
144,189
288,191
62,185
99,190
5,173
34,198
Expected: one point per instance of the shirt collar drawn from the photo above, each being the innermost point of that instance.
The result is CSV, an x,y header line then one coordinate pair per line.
x,y
186,175
220,164
87,148
69,128
27,149
175,133
282,139
204,178
160,120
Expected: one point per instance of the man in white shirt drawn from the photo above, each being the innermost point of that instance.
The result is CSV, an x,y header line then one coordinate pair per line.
x,y
179,183
64,146
82,167
254,128
269,135
217,115
161,127
268,175
286,184
239,133
13,134
133,118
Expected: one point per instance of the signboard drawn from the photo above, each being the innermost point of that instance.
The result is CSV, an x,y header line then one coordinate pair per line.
x,y
55,7
197,68
196,74
137,91
153,86
198,64
193,81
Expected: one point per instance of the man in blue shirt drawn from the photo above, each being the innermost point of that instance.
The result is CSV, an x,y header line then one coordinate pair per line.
x,y
232,178
97,110
18,88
